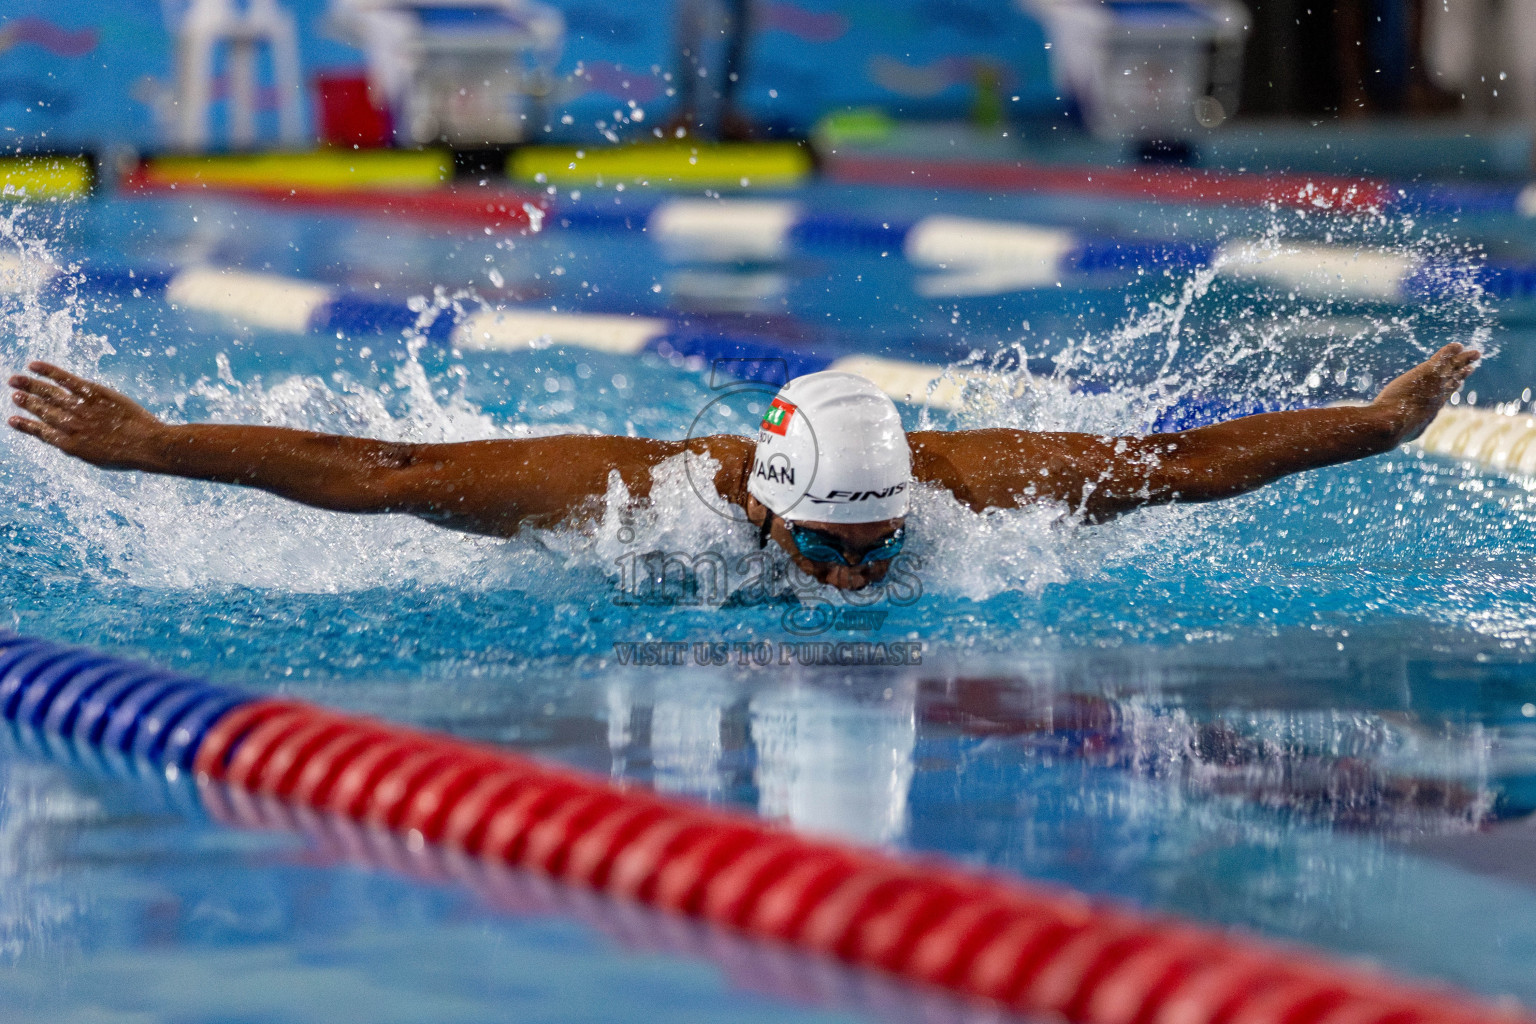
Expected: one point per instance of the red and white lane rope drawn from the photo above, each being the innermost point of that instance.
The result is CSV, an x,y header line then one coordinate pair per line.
x,y
1029,948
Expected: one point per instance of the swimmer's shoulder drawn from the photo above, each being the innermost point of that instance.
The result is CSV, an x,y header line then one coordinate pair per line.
x,y
734,454
992,444
1001,467
937,452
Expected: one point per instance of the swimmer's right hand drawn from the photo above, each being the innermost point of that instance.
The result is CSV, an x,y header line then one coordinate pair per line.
x,y
82,418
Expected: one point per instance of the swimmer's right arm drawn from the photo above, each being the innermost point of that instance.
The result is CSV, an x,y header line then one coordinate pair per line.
x,y
492,487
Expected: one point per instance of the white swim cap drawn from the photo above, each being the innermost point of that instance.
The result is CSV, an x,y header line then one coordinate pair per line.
x,y
831,450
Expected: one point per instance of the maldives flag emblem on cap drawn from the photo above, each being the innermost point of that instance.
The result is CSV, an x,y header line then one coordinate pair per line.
x,y
777,418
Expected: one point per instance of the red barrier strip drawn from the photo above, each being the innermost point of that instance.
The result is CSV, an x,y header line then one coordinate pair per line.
x,y
1311,192
1029,948
477,207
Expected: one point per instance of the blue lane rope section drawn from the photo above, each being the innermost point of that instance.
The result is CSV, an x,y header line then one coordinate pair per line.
x,y
1091,255
751,229
359,313
759,358
81,703
1470,198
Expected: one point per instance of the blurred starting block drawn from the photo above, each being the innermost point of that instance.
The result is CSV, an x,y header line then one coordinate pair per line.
x,y
455,71
1146,69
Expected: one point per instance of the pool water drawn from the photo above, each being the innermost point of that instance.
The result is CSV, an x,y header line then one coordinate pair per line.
x,y
1309,712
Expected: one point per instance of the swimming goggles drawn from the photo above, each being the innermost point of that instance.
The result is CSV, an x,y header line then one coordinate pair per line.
x,y
823,547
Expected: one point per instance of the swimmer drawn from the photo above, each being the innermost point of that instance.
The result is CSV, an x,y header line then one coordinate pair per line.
x,y
828,477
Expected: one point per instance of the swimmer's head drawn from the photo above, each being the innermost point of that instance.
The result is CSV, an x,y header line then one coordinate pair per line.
x,y
831,449
833,474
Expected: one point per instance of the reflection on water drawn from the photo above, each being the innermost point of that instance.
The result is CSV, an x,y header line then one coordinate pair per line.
x,y
838,758
812,758
836,766
1355,770
39,811
1227,790
1235,800
776,971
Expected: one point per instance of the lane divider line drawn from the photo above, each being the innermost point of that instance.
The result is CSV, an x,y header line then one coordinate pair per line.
x,y
260,300
974,257
970,257
741,229
318,170
694,165
1493,440
291,305
1314,270
517,329
1029,948
1499,441
686,164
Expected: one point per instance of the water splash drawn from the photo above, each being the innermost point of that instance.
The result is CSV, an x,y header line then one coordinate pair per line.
x,y
995,581
1246,343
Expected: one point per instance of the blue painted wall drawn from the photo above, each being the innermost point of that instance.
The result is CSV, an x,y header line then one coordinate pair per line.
x,y
85,74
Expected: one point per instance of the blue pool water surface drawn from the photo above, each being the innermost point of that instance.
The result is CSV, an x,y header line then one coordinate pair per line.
x,y
1309,712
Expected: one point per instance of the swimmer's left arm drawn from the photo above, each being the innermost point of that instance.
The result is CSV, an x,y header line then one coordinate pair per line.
x,y
1227,459
1102,477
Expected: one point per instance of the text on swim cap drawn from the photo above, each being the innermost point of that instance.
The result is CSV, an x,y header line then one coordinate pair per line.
x,y
838,497
776,419
779,473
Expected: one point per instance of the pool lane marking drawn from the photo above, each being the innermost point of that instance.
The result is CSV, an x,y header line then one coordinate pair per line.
x,y
1028,947
972,257
760,968
1500,440
47,176
260,300
1525,202
502,209
978,257
278,303
295,306
750,230
1319,271
285,304
1495,441
731,165
940,387
513,330
685,164
317,171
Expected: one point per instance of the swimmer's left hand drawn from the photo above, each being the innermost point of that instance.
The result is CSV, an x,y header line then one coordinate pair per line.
x,y
82,418
1413,399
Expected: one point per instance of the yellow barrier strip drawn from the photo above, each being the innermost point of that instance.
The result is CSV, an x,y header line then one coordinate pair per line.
x,y
666,165
45,177
320,169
